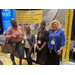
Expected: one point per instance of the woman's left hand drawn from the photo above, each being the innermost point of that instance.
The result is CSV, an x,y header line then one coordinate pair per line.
x,y
58,52
30,49
40,49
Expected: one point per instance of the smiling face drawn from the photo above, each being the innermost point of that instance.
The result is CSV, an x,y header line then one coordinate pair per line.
x,y
27,28
42,26
55,26
13,22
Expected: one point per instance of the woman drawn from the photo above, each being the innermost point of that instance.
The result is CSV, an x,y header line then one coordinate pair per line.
x,y
56,42
29,41
42,44
15,35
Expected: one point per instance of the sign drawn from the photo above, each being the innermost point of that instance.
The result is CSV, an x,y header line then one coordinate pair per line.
x,y
67,32
28,16
6,16
13,13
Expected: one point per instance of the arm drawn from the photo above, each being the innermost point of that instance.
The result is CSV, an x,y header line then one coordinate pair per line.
x,y
37,42
21,29
44,44
33,42
8,35
37,45
62,40
46,40
61,48
62,43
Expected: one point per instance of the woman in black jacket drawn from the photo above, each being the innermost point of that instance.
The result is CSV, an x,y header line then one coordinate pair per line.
x,y
42,44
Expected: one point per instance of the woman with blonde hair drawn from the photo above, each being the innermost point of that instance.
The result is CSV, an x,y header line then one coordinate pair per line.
x,y
56,41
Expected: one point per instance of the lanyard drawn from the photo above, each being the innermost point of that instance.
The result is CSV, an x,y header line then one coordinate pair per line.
x,y
40,34
54,35
18,30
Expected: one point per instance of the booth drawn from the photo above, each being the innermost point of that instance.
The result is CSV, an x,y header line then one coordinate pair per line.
x,y
33,18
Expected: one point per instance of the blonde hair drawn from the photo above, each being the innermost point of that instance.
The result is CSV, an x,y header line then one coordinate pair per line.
x,y
55,21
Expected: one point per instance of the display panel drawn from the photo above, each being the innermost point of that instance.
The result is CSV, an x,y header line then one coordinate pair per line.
x,y
6,16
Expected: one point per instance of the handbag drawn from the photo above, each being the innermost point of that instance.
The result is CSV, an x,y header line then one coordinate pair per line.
x,y
8,48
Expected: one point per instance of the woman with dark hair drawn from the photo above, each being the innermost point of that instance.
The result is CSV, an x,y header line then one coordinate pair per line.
x,y
42,44
29,41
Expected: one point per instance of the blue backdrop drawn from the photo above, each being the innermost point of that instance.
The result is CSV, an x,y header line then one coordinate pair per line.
x,y
1,25
7,14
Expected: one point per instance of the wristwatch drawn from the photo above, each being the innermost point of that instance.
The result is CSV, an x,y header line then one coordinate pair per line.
x,y
60,49
41,47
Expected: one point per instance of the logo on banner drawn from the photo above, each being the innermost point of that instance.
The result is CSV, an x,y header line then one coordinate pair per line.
x,y
6,13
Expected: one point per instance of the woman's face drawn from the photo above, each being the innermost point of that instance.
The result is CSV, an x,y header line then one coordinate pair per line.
x,y
27,29
55,26
42,26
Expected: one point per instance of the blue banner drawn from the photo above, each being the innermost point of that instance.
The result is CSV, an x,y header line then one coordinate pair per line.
x,y
13,13
6,16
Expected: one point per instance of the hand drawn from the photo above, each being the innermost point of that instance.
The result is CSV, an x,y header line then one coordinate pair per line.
x,y
13,36
37,47
40,49
58,52
50,51
30,49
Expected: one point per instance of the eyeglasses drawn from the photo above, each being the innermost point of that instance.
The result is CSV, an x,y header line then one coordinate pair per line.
x,y
13,21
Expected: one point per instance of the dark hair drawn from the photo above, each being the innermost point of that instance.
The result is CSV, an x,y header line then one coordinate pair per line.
x,y
43,22
11,19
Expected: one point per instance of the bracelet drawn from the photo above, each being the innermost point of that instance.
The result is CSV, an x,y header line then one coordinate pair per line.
x,y
41,47
60,49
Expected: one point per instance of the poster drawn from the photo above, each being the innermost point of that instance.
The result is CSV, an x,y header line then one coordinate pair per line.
x,y
6,16
67,31
28,16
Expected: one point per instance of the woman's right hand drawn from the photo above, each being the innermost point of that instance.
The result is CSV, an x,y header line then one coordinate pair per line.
x,y
50,51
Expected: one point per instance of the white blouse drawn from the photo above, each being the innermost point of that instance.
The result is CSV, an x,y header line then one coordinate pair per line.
x,y
27,45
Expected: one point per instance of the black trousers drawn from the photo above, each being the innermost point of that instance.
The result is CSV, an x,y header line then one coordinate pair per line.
x,y
19,51
54,58
28,56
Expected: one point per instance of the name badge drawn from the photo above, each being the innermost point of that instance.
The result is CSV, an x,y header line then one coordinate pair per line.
x,y
39,42
20,36
53,42
22,41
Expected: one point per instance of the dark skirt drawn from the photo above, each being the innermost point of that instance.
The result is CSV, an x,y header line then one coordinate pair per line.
x,y
43,54
53,58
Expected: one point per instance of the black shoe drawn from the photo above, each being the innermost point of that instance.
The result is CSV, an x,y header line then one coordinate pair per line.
x,y
14,63
20,63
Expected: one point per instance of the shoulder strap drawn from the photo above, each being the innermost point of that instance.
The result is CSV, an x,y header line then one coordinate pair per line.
x,y
29,42
18,30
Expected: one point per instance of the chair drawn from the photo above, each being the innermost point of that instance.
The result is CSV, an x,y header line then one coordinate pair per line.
x,y
73,50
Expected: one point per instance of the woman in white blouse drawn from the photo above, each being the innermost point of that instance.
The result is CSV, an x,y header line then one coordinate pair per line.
x,y
29,41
